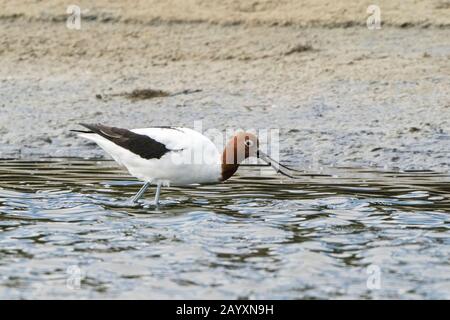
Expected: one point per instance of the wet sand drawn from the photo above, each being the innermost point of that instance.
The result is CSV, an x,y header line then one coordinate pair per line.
x,y
341,95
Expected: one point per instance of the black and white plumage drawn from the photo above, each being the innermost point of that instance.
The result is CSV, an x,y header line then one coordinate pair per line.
x,y
140,144
174,155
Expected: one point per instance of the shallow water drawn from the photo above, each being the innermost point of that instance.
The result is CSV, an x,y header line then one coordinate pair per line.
x,y
67,231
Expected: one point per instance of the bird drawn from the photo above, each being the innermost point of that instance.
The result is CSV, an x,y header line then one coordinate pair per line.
x,y
179,156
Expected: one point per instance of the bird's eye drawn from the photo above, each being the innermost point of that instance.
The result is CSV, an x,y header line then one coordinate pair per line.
x,y
248,143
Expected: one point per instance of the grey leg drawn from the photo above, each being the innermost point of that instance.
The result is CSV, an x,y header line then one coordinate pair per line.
x,y
158,191
141,192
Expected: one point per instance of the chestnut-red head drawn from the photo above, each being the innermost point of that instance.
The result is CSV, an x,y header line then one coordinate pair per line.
x,y
243,145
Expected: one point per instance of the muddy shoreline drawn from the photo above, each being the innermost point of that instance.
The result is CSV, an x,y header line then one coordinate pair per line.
x,y
339,96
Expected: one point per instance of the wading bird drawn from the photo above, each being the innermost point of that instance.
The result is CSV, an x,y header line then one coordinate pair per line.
x,y
167,156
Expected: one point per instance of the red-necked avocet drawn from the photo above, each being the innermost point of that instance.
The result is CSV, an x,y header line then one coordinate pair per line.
x,y
178,156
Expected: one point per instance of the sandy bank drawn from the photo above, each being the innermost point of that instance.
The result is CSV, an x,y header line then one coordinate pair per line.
x,y
317,13
340,96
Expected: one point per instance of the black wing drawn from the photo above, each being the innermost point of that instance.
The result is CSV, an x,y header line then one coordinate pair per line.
x,y
139,144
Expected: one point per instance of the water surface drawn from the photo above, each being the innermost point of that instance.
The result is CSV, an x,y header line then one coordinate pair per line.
x,y
67,230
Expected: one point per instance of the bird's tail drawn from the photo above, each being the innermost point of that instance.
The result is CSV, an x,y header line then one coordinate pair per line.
x,y
87,134
91,128
81,131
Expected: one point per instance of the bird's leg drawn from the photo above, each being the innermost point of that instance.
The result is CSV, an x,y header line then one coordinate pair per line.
x,y
141,192
158,191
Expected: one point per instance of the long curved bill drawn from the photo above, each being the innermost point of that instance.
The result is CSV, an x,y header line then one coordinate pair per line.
x,y
278,167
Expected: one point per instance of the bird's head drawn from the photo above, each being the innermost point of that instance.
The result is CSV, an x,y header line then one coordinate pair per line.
x,y
244,145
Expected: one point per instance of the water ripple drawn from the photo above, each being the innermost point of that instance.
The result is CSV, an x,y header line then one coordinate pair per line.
x,y
256,236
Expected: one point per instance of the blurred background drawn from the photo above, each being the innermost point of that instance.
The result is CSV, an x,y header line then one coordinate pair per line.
x,y
340,92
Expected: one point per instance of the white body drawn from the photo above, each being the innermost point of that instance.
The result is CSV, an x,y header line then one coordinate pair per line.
x,y
194,159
